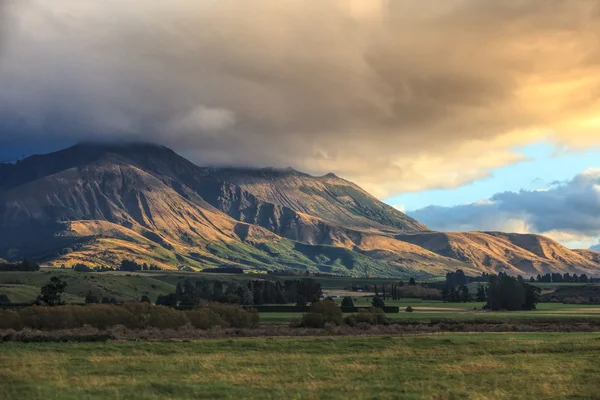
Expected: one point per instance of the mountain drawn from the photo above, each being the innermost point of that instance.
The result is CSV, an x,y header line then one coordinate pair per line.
x,y
101,203
525,254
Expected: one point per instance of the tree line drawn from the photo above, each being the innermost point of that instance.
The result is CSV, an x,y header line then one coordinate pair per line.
x,y
254,292
557,277
24,265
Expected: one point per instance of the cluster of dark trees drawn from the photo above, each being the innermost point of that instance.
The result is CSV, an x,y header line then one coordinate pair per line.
x,y
456,278
51,293
458,294
503,292
126,265
132,266
509,293
24,265
190,293
556,277
224,270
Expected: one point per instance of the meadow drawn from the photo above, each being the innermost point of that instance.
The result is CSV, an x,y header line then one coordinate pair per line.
x,y
432,310
419,366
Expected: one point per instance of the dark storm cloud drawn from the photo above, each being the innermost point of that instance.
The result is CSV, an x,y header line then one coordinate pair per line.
x,y
397,94
568,210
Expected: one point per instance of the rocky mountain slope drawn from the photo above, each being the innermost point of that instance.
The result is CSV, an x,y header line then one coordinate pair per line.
x,y
100,203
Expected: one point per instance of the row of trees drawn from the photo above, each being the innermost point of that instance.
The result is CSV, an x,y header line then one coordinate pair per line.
x,y
456,294
503,292
556,277
257,292
24,265
126,265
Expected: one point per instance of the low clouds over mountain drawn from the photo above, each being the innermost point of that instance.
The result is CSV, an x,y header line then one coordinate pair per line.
x,y
567,211
396,95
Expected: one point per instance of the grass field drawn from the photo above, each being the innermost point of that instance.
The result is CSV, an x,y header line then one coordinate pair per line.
x,y
441,366
428,310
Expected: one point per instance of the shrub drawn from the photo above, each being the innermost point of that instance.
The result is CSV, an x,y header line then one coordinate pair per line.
x,y
130,315
4,299
82,268
378,302
91,298
322,312
371,316
9,320
146,315
234,315
347,302
418,292
313,320
203,318
409,309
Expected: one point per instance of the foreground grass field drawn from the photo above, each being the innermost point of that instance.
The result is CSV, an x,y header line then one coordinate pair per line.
x,y
441,366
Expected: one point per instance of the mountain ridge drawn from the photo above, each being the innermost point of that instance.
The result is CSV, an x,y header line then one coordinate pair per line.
x,y
99,202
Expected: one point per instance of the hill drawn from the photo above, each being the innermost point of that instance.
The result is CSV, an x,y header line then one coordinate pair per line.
x,y
101,203
524,254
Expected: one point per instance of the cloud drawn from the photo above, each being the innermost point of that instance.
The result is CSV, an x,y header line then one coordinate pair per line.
x,y
397,95
399,207
202,119
568,211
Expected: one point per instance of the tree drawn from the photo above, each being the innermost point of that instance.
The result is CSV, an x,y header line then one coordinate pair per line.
x,y
108,300
457,278
51,293
145,299
322,312
412,281
91,298
79,267
480,293
508,293
378,302
464,294
347,302
532,297
130,266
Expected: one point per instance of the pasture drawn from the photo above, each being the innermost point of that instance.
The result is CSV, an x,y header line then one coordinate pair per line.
x,y
420,366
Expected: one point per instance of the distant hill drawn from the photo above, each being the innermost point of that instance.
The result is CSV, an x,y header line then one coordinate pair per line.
x,y
100,203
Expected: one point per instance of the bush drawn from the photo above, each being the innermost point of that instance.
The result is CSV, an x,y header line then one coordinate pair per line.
x,y
418,292
234,315
347,302
322,312
203,318
131,315
82,268
4,299
378,302
371,316
409,309
313,320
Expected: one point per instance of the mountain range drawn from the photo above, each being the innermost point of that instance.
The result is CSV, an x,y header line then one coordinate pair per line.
x,y
99,203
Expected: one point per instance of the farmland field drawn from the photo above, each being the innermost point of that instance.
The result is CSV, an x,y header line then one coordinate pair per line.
x,y
424,366
428,310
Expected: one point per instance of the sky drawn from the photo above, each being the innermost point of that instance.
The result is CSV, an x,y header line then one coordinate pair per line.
x,y
469,114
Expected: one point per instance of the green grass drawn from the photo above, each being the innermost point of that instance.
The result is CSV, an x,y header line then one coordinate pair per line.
x,y
431,310
122,286
492,366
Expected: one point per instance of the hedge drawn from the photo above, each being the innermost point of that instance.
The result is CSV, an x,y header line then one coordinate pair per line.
x,y
130,315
